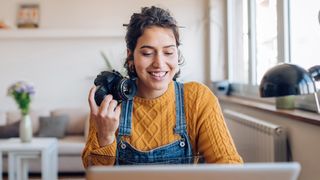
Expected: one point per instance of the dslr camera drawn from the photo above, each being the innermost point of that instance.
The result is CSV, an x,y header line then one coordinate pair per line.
x,y
112,82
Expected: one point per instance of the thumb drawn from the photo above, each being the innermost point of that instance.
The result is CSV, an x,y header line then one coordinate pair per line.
x,y
92,103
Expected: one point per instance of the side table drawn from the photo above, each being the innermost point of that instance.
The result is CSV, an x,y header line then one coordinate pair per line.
x,y
19,153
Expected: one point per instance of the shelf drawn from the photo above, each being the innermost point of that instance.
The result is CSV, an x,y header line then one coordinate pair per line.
x,y
57,33
305,116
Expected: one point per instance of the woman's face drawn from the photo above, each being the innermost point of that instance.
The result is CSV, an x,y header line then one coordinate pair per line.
x,y
155,61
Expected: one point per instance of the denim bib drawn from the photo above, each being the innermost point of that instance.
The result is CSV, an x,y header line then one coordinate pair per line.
x,y
177,152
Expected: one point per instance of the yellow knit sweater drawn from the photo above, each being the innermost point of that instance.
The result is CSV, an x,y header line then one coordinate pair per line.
x,y
153,121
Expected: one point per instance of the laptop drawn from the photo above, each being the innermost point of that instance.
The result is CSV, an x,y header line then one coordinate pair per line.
x,y
247,171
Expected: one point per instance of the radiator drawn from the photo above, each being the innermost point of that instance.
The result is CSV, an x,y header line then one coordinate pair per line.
x,y
257,140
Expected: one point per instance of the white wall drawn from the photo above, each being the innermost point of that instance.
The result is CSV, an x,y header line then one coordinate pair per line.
x,y
62,69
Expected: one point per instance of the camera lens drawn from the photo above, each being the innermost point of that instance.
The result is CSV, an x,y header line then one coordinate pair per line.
x,y
127,89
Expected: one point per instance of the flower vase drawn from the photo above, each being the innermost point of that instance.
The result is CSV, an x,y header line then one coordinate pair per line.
x,y
25,129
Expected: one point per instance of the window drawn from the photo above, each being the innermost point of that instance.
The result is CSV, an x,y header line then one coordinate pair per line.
x,y
305,33
238,41
263,33
266,35
257,50
304,42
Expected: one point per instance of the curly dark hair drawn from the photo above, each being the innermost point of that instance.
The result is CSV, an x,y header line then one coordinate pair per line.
x,y
149,16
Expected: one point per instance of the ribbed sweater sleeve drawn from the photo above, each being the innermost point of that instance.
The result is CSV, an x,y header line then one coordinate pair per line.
x,y
93,154
207,127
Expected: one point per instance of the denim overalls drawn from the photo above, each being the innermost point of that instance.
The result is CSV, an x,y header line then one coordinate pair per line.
x,y
178,152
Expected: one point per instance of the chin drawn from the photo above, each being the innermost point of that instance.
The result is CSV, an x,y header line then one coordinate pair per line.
x,y
160,85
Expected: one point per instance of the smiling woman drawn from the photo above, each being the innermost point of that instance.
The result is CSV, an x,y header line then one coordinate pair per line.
x,y
167,122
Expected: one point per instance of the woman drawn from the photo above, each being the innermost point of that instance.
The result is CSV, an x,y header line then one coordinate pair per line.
x,y
167,121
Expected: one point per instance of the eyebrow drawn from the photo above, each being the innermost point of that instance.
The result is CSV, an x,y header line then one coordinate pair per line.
x,y
151,47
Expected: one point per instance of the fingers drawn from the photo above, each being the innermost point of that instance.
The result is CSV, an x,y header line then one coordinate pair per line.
x,y
112,106
107,120
106,105
93,106
118,111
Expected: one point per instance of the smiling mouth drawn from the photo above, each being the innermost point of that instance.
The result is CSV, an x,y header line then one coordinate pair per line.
x,y
157,75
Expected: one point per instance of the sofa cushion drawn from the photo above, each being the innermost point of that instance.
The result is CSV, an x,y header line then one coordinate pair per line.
x,y
10,130
14,116
53,126
77,117
71,145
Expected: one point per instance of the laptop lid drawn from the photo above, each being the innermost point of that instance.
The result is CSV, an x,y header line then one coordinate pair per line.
x,y
248,171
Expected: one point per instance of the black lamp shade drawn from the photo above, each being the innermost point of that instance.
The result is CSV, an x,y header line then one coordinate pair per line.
x,y
286,79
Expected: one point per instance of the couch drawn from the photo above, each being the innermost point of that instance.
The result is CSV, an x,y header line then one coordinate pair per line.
x,y
70,146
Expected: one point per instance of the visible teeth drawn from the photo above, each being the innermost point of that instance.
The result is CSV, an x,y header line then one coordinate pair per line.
x,y
158,74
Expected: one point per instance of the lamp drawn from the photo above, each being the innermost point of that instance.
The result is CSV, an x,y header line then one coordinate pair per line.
x,y
288,79
315,72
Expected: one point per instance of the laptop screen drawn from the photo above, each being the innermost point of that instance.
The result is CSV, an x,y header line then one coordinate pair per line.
x,y
247,171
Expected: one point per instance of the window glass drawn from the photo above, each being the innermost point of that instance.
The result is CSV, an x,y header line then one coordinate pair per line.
x,y
239,62
266,37
305,32
245,44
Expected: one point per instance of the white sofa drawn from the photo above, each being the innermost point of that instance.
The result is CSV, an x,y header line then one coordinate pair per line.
x,y
69,147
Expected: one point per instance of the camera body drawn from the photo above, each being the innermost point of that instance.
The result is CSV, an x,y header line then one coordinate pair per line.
x,y
112,82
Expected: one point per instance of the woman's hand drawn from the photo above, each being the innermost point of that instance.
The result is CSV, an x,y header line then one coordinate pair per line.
x,y
106,117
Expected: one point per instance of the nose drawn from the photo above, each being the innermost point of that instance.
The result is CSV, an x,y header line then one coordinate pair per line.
x,y
158,61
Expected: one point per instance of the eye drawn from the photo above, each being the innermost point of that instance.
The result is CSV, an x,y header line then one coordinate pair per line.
x,y
146,54
168,53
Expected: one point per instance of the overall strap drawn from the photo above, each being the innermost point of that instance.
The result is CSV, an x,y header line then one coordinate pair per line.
x,y
125,118
124,124
180,114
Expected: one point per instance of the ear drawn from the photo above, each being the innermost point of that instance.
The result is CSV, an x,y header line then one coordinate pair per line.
x,y
129,53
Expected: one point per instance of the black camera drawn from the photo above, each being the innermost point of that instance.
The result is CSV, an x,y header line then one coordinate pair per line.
x,y
112,82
